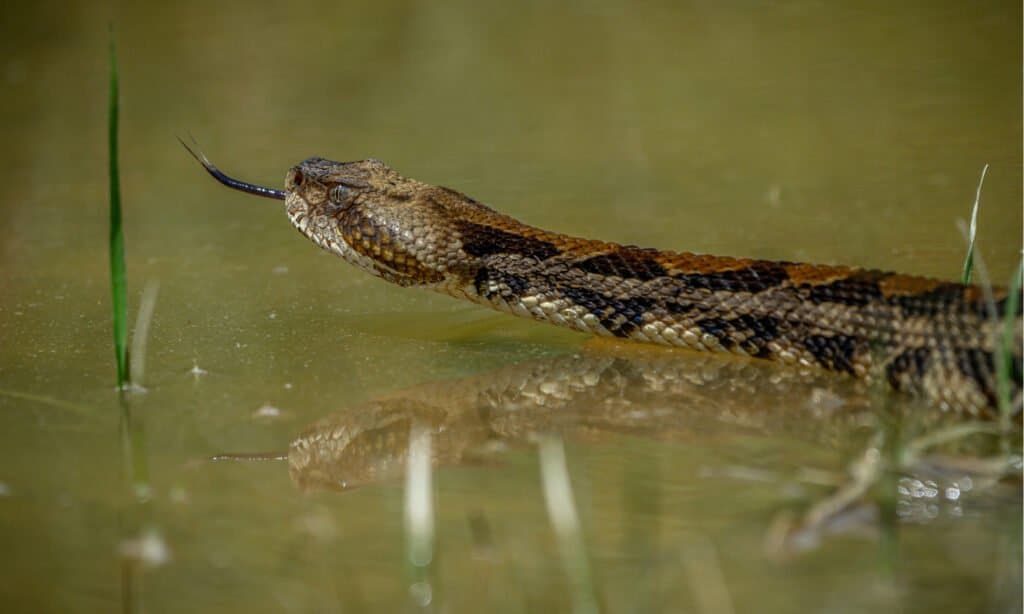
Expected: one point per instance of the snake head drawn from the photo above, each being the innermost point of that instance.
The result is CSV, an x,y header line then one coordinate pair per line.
x,y
383,223
319,183
407,232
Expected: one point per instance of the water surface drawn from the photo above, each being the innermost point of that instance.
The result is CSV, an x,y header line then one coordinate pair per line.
x,y
792,130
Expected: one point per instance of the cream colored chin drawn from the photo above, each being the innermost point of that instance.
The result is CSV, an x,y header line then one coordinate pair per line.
x,y
298,215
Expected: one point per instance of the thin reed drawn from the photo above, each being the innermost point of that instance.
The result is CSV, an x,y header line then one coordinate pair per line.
x,y
118,274
973,232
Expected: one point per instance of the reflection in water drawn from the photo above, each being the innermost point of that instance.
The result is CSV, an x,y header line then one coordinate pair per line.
x,y
658,394
669,396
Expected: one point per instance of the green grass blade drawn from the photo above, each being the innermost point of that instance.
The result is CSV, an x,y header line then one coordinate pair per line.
x,y
969,259
1004,356
118,274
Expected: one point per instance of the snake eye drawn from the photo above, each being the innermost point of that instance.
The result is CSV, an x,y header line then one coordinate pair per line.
x,y
339,193
297,178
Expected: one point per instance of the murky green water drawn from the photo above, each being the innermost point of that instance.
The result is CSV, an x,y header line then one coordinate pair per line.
x,y
794,130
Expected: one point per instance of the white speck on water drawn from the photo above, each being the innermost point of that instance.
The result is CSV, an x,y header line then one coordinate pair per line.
x,y
5,490
267,411
197,371
143,492
952,493
279,270
288,386
149,548
422,593
272,315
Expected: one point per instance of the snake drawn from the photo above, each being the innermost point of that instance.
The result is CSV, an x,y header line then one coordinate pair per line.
x,y
951,343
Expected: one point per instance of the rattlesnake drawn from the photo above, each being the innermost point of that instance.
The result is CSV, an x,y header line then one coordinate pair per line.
x,y
922,336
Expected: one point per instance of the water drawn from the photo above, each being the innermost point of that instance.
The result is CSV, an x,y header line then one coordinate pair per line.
x,y
791,130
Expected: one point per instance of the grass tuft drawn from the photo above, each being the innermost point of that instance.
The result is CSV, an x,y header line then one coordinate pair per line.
x,y
118,272
973,232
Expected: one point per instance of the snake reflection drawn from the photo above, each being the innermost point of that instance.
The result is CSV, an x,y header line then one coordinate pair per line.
x,y
673,396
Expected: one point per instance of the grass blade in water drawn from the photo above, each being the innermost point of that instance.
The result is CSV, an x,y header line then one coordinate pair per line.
x,y
419,517
969,259
118,274
561,505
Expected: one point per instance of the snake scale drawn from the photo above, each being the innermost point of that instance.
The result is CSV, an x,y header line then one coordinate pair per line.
x,y
923,336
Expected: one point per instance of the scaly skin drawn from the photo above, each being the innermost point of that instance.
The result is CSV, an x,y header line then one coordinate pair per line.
x,y
923,336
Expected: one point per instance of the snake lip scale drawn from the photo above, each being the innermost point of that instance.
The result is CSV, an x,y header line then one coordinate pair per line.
x,y
926,337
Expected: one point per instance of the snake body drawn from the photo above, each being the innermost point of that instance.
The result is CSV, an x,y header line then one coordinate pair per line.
x,y
923,336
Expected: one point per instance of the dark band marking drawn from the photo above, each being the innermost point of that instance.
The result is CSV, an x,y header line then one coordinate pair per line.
x,y
765,329
979,366
510,285
621,316
946,298
835,353
680,308
907,368
482,241
857,290
719,328
751,333
626,263
757,277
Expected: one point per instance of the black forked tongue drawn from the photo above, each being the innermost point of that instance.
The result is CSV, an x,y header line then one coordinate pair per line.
x,y
230,181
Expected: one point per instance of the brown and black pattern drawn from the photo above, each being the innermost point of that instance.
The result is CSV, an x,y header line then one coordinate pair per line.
x,y
922,336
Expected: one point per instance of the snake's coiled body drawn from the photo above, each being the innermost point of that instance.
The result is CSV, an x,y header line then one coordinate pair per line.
x,y
923,336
